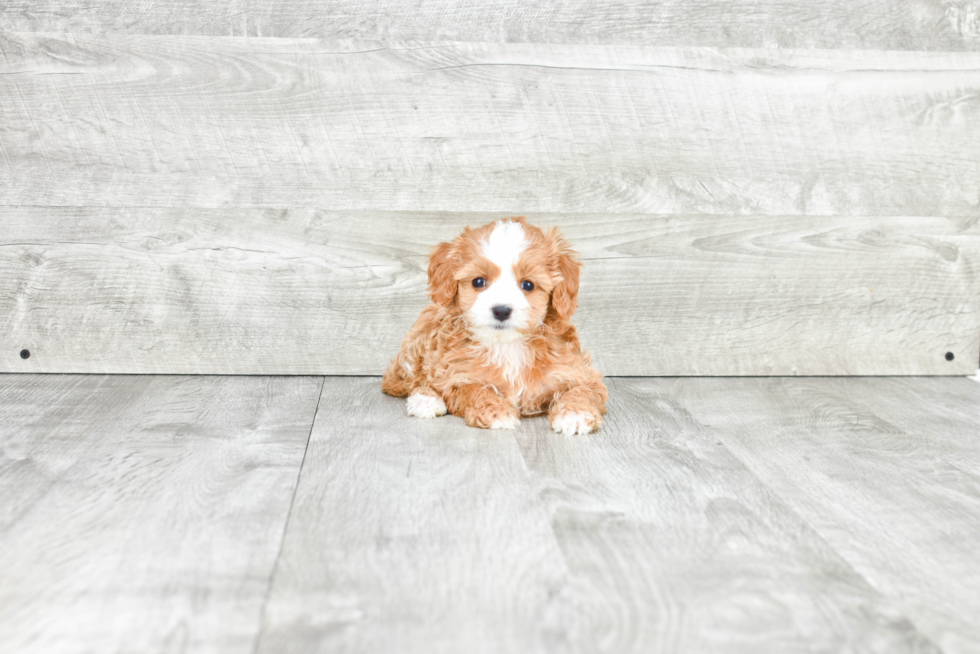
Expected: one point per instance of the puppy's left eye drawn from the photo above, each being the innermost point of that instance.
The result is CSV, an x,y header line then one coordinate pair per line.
x,y
527,286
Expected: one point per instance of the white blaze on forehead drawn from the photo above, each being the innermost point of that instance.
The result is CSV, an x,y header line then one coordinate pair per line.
x,y
504,246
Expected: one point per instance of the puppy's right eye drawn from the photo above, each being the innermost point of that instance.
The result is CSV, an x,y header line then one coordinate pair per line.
x,y
479,282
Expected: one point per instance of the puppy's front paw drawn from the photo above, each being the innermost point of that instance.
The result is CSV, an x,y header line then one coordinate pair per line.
x,y
569,423
505,422
501,418
420,405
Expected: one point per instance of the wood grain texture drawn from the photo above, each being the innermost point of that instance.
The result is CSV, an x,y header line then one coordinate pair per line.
x,y
896,495
675,546
325,292
429,536
411,535
920,25
144,514
221,122
938,417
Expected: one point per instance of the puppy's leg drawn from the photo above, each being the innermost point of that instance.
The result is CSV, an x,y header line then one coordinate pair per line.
x,y
402,380
405,373
579,409
482,407
425,403
399,379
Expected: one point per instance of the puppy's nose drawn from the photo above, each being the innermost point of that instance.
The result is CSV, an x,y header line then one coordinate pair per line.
x,y
501,312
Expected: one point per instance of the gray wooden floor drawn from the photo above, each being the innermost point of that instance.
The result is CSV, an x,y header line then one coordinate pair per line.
x,y
308,514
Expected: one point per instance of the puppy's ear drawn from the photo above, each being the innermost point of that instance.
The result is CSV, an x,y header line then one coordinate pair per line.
x,y
443,263
564,296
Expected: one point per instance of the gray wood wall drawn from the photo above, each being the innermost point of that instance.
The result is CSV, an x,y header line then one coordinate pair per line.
x,y
755,187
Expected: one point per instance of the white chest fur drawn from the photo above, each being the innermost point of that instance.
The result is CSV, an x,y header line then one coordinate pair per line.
x,y
512,358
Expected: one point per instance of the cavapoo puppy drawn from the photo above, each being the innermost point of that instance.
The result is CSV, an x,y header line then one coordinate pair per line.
x,y
497,342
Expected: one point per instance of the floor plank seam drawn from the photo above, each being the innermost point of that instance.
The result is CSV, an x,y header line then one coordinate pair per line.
x,y
285,527
778,499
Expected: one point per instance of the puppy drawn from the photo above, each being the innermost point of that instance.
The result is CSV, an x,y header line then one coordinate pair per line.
x,y
497,342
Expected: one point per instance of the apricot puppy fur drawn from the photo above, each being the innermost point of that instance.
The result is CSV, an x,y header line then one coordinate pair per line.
x,y
497,342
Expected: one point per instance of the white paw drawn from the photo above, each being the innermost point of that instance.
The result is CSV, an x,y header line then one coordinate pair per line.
x,y
573,422
507,422
420,405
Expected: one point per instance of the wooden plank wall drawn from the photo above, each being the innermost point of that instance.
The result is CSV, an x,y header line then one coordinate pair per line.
x,y
755,187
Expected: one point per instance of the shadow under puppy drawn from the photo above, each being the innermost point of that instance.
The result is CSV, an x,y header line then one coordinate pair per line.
x,y
497,343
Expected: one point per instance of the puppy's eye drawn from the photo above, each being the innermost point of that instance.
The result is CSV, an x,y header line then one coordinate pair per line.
x,y
479,282
527,286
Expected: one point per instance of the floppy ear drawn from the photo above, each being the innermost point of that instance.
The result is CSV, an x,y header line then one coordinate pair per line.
x,y
443,263
564,296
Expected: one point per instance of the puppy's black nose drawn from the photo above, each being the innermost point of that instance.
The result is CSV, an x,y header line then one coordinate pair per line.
x,y
501,312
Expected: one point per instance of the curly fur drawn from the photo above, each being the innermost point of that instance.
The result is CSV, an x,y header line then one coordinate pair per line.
x,y
538,368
